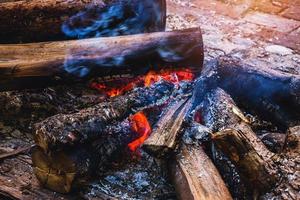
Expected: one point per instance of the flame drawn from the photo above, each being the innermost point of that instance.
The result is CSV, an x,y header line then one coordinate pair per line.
x,y
140,125
147,80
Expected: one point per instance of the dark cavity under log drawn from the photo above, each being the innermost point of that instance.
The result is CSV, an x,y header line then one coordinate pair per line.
x,y
88,124
35,20
41,64
164,136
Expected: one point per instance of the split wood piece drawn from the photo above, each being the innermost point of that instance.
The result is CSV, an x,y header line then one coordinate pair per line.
x,y
40,64
273,94
68,129
254,160
36,20
195,176
72,167
165,134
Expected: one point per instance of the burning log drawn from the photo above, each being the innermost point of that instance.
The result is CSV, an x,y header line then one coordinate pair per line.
x,y
272,94
39,64
237,140
70,167
37,20
195,176
164,136
88,124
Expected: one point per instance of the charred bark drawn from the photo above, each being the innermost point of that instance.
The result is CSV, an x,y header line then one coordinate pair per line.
x,y
71,167
88,124
272,94
36,20
252,158
165,134
40,64
195,176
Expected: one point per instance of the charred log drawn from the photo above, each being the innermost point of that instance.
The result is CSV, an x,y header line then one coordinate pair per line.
x,y
71,167
40,64
88,124
36,20
272,94
195,176
166,132
253,160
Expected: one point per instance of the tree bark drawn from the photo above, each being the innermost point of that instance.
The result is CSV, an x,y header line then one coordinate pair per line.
x,y
71,167
195,177
69,129
37,63
272,94
36,20
253,160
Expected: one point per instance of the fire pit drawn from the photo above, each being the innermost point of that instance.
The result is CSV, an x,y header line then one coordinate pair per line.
x,y
118,108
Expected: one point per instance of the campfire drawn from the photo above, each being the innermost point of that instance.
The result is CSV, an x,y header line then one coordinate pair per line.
x,y
204,130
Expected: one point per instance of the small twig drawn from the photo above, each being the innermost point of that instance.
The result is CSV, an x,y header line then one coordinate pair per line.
x,y
15,152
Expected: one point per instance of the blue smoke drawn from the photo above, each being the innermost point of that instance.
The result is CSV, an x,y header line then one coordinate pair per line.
x,y
120,18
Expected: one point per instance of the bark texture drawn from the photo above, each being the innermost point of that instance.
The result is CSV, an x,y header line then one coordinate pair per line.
x,y
38,64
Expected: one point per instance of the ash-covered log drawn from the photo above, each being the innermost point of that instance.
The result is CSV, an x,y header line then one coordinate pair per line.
x,y
67,129
71,167
165,134
38,64
252,158
195,176
35,20
274,95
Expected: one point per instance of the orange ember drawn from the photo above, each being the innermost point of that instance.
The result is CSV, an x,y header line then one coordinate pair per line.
x,y
145,80
141,126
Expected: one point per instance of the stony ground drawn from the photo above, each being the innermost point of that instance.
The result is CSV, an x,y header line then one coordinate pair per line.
x,y
261,32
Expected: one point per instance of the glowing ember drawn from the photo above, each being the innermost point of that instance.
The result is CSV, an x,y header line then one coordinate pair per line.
x,y
146,80
141,126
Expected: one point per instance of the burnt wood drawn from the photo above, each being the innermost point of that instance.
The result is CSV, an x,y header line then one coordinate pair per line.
x,y
68,129
71,167
40,64
221,115
36,20
274,95
164,136
195,176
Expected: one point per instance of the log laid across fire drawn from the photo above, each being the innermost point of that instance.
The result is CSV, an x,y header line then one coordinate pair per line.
x,y
170,105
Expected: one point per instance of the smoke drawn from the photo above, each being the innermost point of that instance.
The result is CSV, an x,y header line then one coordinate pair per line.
x,y
123,17
120,17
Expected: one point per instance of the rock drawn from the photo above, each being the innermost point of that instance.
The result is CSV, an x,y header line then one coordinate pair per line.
x,y
278,49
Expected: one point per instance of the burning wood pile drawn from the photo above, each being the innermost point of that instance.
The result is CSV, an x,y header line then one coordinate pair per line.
x,y
160,100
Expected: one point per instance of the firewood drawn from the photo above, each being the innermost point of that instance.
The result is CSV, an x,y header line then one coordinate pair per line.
x,y
71,167
252,158
37,20
195,176
274,95
40,64
166,132
88,124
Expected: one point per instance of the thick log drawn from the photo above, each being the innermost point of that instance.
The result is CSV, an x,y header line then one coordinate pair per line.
x,y
71,167
36,20
69,129
274,95
165,134
237,140
40,64
195,176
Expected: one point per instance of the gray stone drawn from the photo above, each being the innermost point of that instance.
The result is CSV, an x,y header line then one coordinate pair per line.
x,y
278,49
